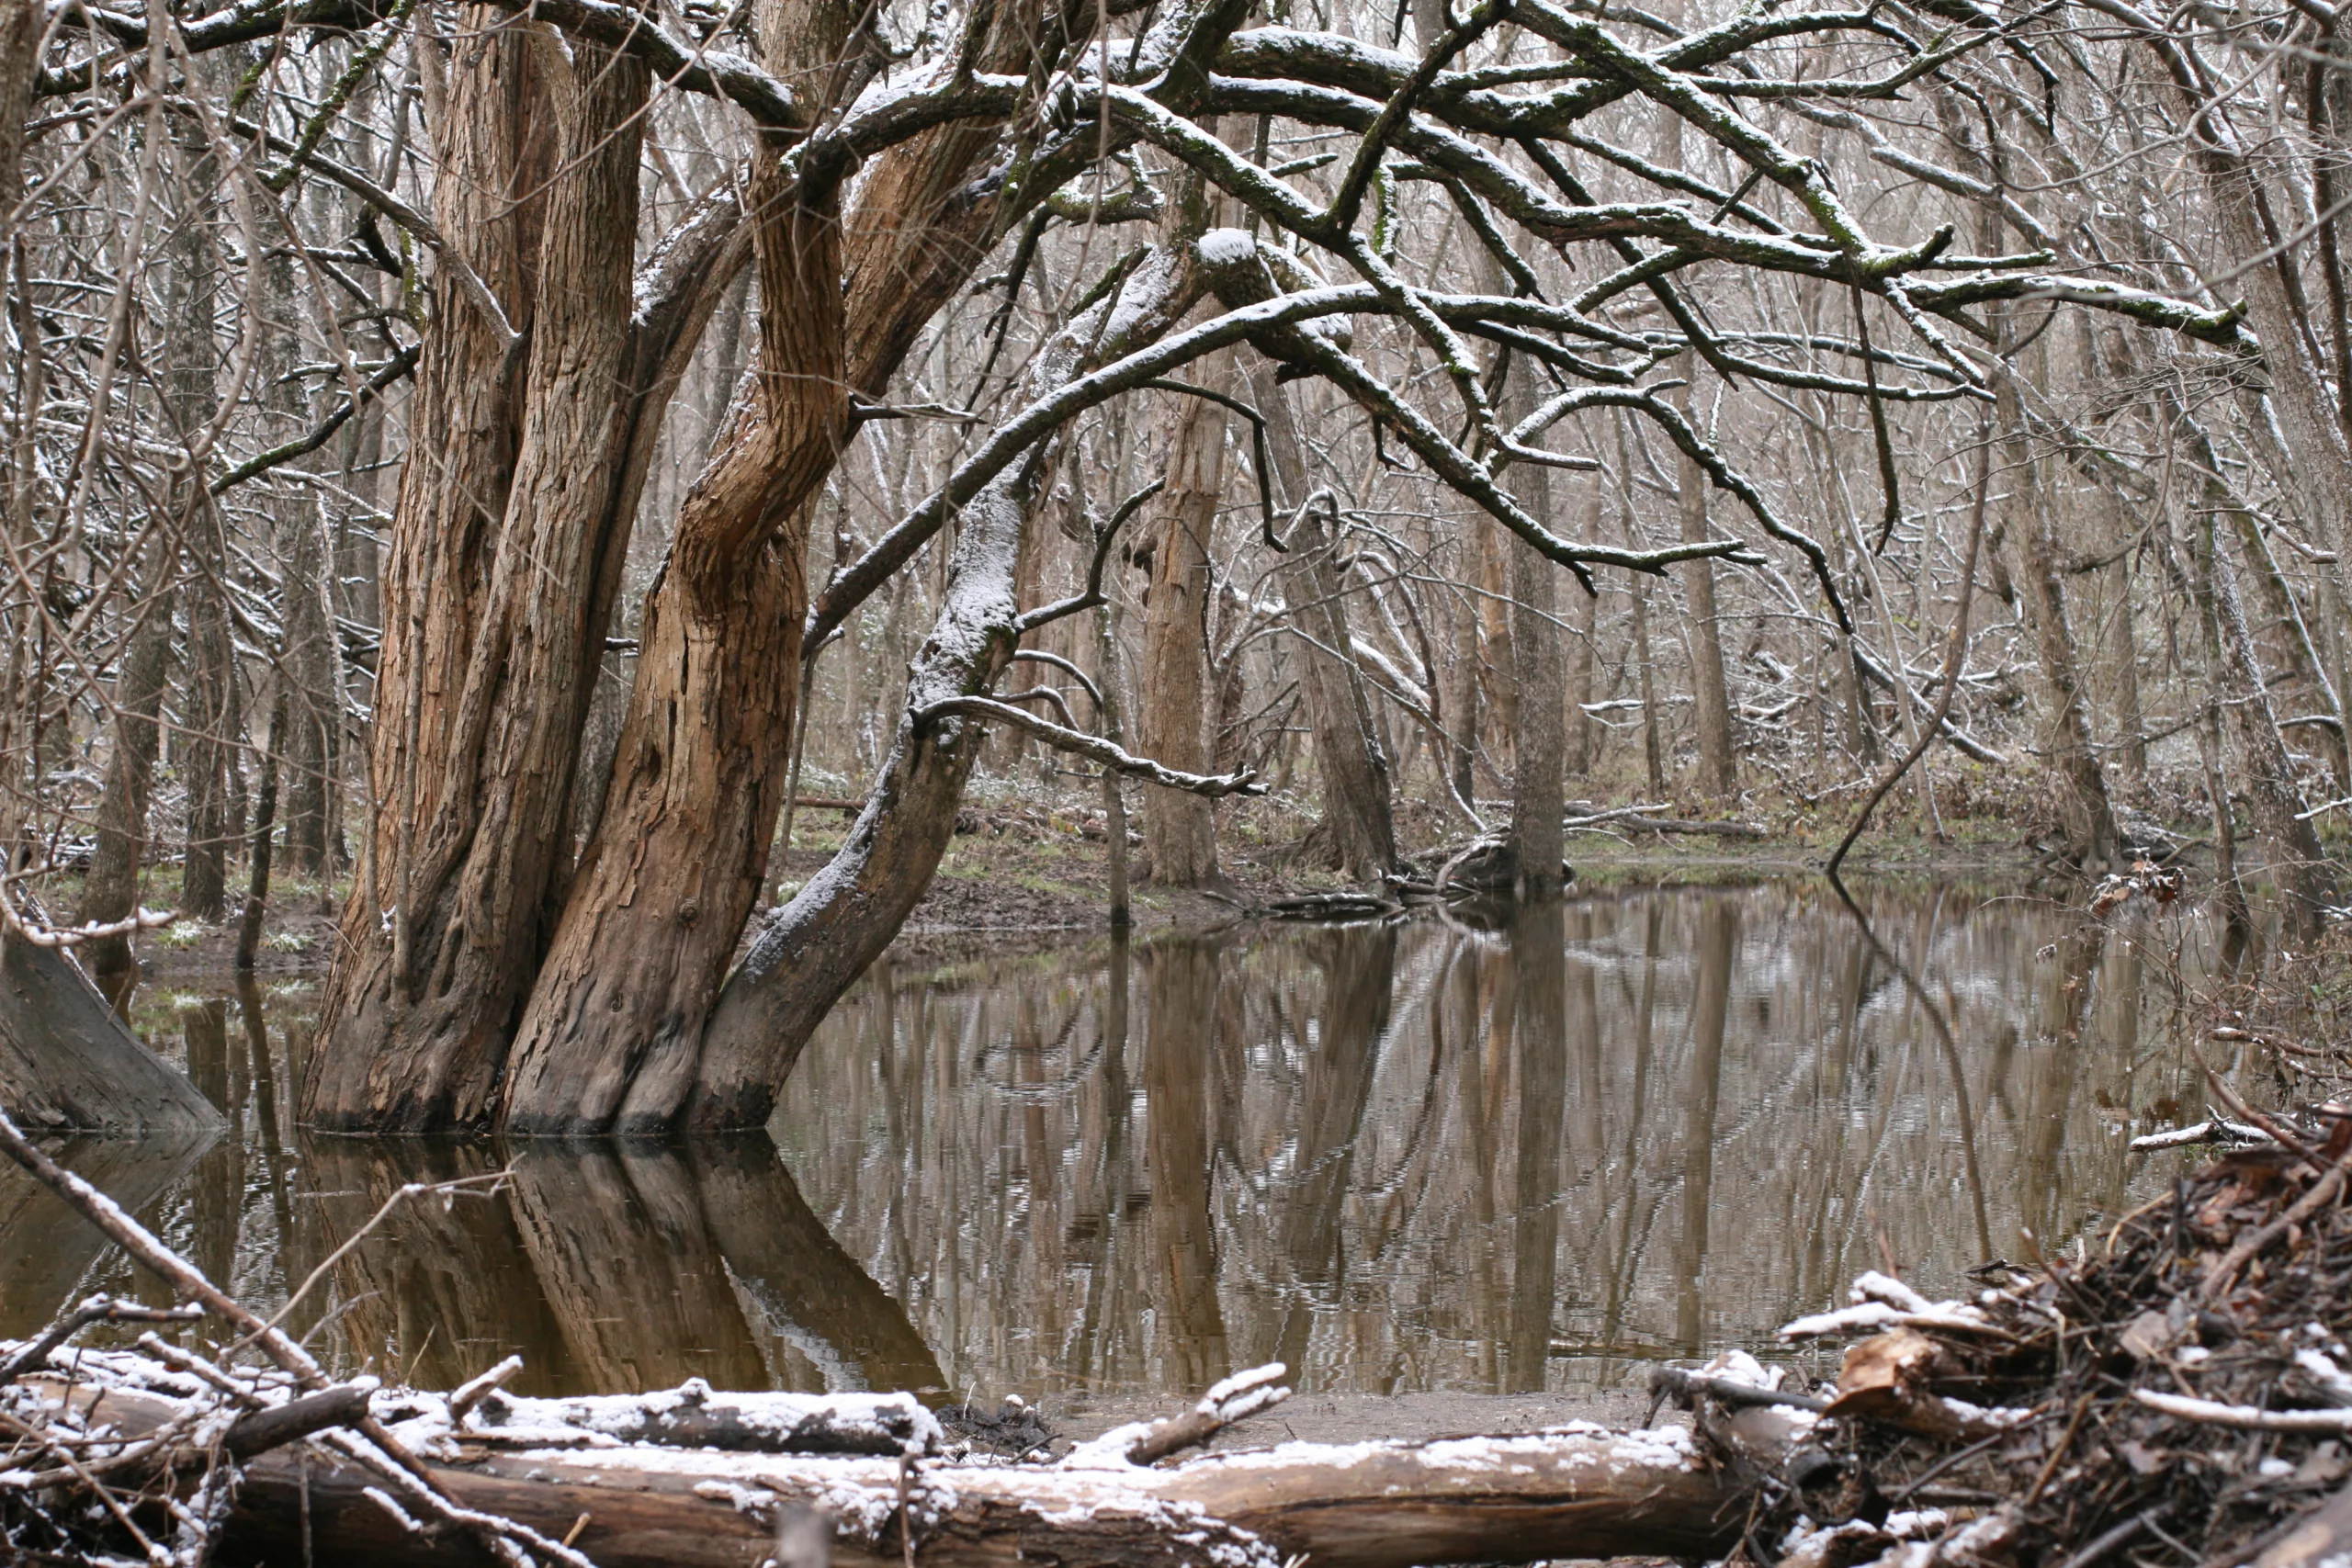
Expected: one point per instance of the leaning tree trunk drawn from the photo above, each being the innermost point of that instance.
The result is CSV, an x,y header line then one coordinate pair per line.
x,y
1348,753
849,911
66,1061
2266,774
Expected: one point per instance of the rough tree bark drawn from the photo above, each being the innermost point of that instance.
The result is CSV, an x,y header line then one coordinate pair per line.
x,y
500,605
690,792
682,843
1172,712
437,937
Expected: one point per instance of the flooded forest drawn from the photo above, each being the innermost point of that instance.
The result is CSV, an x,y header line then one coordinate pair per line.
x,y
1039,780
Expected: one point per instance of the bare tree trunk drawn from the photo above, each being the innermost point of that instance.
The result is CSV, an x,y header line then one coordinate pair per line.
x,y
1718,768
615,1020
20,35
2124,654
1538,792
2266,774
1498,688
206,745
495,587
1578,752
110,892
2091,832
1458,688
1172,717
307,655
1348,753
692,788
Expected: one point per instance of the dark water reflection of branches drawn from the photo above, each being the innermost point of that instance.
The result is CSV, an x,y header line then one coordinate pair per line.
x,y
1632,1124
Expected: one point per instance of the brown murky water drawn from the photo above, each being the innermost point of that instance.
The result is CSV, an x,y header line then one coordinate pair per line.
x,y
1417,1157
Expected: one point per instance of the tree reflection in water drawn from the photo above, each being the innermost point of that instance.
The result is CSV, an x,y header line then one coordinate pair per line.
x,y
1528,1155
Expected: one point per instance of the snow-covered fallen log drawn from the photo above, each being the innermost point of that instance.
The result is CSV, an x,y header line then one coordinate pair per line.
x,y
1579,1491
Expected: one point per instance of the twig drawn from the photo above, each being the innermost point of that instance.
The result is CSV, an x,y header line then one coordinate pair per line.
x,y
1242,1395
2243,1417
96,1309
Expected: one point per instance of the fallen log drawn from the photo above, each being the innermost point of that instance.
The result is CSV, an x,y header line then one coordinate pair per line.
x,y
1578,1491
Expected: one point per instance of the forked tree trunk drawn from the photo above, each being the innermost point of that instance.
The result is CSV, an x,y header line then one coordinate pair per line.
x,y
1348,753
692,791
1172,717
682,842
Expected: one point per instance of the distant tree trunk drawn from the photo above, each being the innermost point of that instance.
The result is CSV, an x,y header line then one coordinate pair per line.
x,y
1458,688
20,35
1348,753
2279,607
2091,832
110,892
2266,774
2125,653
1578,752
1180,829
1718,766
1538,793
308,656
206,747
1498,687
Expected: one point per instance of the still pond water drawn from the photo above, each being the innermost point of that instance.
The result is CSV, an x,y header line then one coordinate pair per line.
x,y
1427,1156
